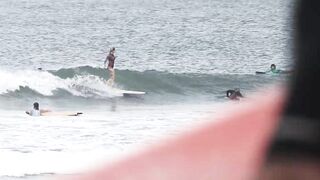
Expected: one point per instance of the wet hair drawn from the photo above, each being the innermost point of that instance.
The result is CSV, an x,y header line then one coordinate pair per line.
x,y
112,49
229,92
236,92
36,106
273,65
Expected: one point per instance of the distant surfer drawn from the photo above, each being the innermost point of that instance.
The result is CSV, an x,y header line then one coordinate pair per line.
x,y
234,94
36,111
273,70
110,59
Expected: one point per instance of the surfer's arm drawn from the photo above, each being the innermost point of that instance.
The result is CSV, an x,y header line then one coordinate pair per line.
x,y
27,112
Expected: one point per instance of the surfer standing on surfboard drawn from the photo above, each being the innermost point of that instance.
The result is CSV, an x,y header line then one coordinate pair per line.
x,y
110,58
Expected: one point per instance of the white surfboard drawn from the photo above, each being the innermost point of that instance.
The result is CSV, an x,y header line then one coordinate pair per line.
x,y
122,92
63,113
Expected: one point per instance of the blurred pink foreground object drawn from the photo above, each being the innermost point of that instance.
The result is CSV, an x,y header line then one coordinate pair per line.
x,y
231,147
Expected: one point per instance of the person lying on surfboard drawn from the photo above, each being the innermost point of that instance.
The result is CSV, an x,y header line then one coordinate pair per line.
x,y
110,59
35,111
273,70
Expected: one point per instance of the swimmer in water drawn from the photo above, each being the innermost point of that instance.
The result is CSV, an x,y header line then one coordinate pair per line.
x,y
234,94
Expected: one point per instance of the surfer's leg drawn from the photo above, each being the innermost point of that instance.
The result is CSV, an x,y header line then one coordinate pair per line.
x,y
111,77
112,74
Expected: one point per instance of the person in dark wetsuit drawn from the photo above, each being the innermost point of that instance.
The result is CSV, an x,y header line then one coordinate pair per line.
x,y
110,59
234,94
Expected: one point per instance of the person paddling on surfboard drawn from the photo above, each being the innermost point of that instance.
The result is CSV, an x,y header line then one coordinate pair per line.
x,y
273,70
35,111
110,59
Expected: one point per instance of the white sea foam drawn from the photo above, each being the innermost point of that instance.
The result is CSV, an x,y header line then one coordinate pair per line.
x,y
64,145
41,162
46,83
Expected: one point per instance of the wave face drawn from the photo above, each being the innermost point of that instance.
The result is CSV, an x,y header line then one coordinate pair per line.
x,y
90,82
44,83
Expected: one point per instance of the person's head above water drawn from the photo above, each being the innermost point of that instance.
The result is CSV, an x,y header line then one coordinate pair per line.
x,y
36,106
112,50
229,92
273,67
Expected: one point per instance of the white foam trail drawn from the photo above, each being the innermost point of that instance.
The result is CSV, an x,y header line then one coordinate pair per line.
x,y
46,83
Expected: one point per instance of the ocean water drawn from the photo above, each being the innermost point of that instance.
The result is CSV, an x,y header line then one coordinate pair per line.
x,y
185,54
